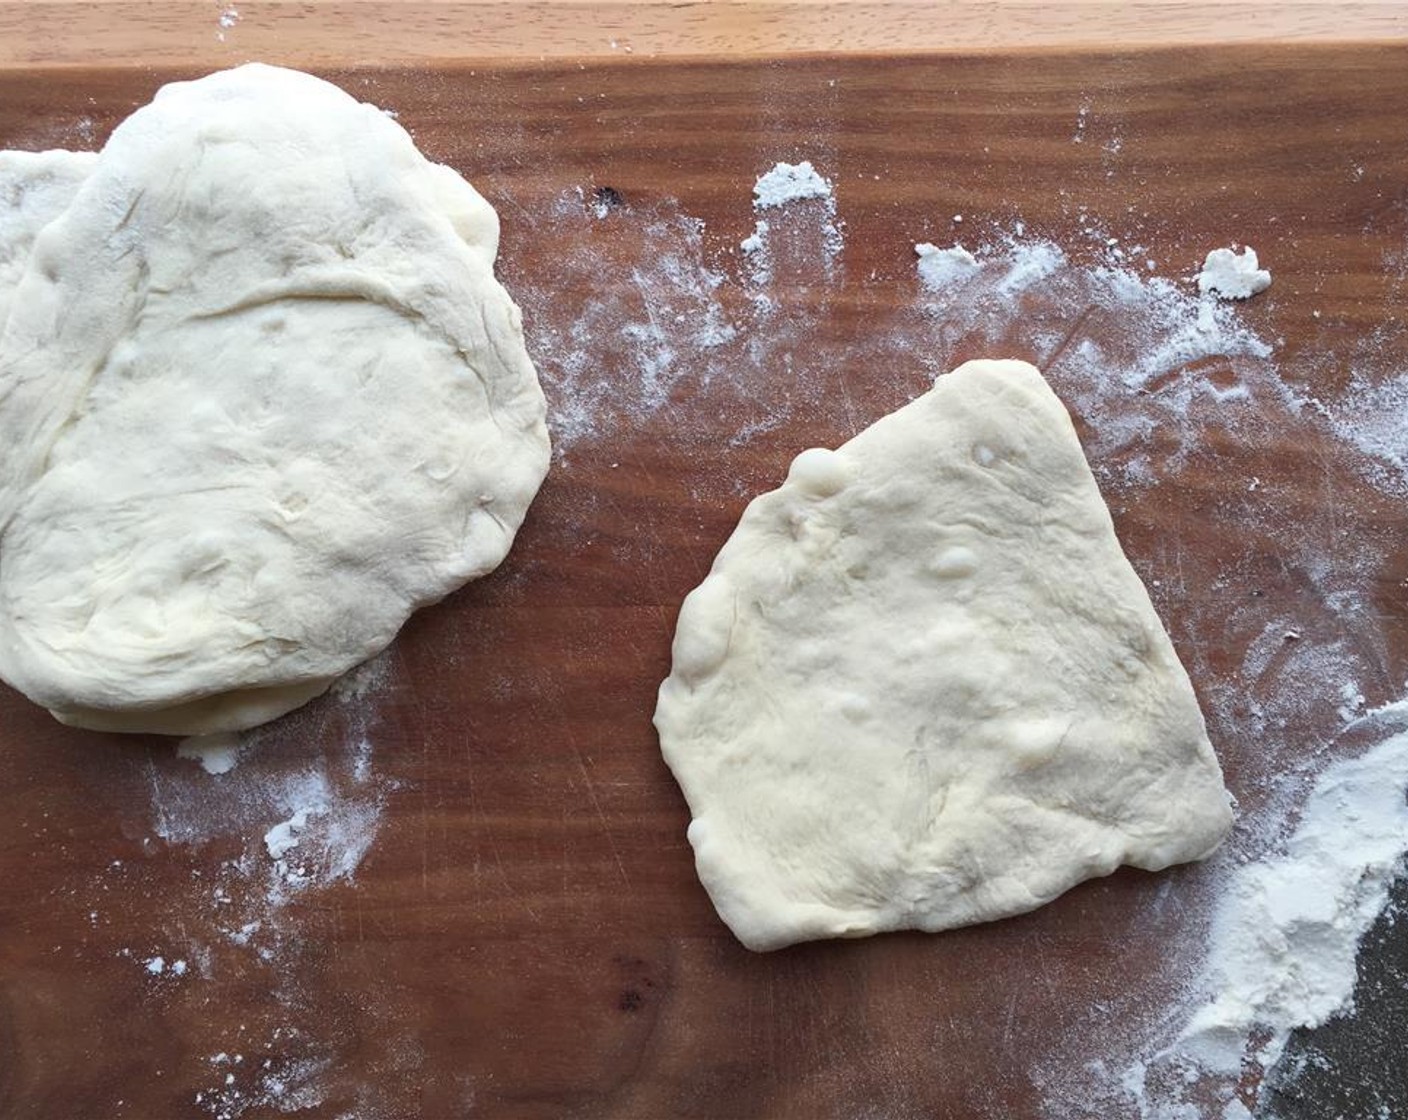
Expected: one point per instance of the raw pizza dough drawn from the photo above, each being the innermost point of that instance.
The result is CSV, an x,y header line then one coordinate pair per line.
x,y
261,397
922,686
35,188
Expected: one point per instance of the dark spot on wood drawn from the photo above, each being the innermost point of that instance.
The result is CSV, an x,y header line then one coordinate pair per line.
x,y
609,197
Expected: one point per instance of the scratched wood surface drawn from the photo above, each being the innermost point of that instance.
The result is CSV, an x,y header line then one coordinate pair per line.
x,y
525,936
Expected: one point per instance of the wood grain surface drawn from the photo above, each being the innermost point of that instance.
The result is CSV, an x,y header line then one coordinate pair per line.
x,y
524,935
214,33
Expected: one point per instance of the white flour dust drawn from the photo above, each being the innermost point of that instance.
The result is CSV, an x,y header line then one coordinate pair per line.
x,y
338,788
217,754
228,18
640,325
289,823
939,268
801,240
644,314
1370,416
1136,356
1281,948
756,240
283,837
789,182
755,248
266,1081
1286,928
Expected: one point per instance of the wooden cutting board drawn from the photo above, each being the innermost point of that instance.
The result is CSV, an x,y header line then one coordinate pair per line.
x,y
519,931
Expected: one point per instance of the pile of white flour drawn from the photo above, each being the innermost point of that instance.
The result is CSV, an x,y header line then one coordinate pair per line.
x,y
1285,932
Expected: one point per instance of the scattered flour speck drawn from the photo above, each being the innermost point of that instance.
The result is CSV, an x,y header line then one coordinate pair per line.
x,y
1370,415
283,837
217,754
1232,275
938,267
757,240
789,182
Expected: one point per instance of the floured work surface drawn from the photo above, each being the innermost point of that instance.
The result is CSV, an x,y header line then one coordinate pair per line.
x,y
460,885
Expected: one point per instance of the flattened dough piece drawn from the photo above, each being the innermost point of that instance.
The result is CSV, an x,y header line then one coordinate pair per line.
x,y
35,188
261,397
922,687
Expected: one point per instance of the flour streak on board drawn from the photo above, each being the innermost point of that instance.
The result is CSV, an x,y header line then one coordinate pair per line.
x,y
635,320
297,828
